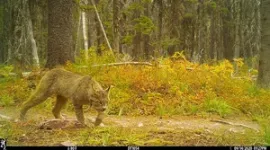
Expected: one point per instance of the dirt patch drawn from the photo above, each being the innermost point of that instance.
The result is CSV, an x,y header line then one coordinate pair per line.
x,y
129,130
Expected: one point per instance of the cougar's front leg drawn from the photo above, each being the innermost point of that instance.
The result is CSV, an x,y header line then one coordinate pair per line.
x,y
99,118
79,113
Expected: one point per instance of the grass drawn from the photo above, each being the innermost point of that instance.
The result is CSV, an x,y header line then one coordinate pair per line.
x,y
27,134
6,100
267,135
217,106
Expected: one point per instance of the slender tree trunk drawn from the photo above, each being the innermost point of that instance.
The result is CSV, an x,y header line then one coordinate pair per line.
x,y
8,30
123,24
237,44
197,53
242,27
2,52
85,33
99,35
213,36
160,29
257,28
91,28
78,36
31,37
174,22
264,62
116,9
147,47
137,48
228,32
237,29
220,45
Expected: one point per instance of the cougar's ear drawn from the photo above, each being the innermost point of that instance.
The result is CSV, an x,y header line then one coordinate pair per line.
x,y
95,88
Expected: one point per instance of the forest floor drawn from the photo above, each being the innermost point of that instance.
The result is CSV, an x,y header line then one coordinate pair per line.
x,y
132,130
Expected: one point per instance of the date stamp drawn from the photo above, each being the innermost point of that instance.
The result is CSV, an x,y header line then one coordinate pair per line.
x,y
133,148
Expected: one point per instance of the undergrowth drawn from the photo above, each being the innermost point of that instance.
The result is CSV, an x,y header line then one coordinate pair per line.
x,y
175,86
172,86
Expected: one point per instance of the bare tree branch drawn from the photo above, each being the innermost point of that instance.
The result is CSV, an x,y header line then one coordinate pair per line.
x,y
124,63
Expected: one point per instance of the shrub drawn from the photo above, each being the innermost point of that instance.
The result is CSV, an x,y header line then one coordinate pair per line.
x,y
6,100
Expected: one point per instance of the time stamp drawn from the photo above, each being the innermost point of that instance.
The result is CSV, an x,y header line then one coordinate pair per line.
x,y
249,148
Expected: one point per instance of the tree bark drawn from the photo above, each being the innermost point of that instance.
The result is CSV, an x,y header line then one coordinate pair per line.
x,y
31,38
264,61
147,46
137,48
60,38
257,28
212,53
116,7
227,32
2,53
160,29
85,33
174,23
98,34
237,29
78,34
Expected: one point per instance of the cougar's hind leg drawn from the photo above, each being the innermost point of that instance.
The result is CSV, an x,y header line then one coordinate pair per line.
x,y
35,99
60,103
79,113
40,95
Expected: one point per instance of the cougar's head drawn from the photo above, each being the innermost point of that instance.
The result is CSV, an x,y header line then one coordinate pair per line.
x,y
100,99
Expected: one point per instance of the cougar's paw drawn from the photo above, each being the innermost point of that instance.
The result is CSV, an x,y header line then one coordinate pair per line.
x,y
80,125
63,116
97,122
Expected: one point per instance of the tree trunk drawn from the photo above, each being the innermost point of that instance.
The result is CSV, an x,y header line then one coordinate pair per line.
x,y
237,44
78,34
7,30
2,53
60,38
213,36
228,32
85,33
91,28
257,28
137,48
147,47
160,29
99,35
31,37
116,7
264,62
237,29
174,22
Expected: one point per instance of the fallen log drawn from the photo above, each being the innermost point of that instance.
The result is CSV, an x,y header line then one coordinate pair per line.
x,y
234,124
124,63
